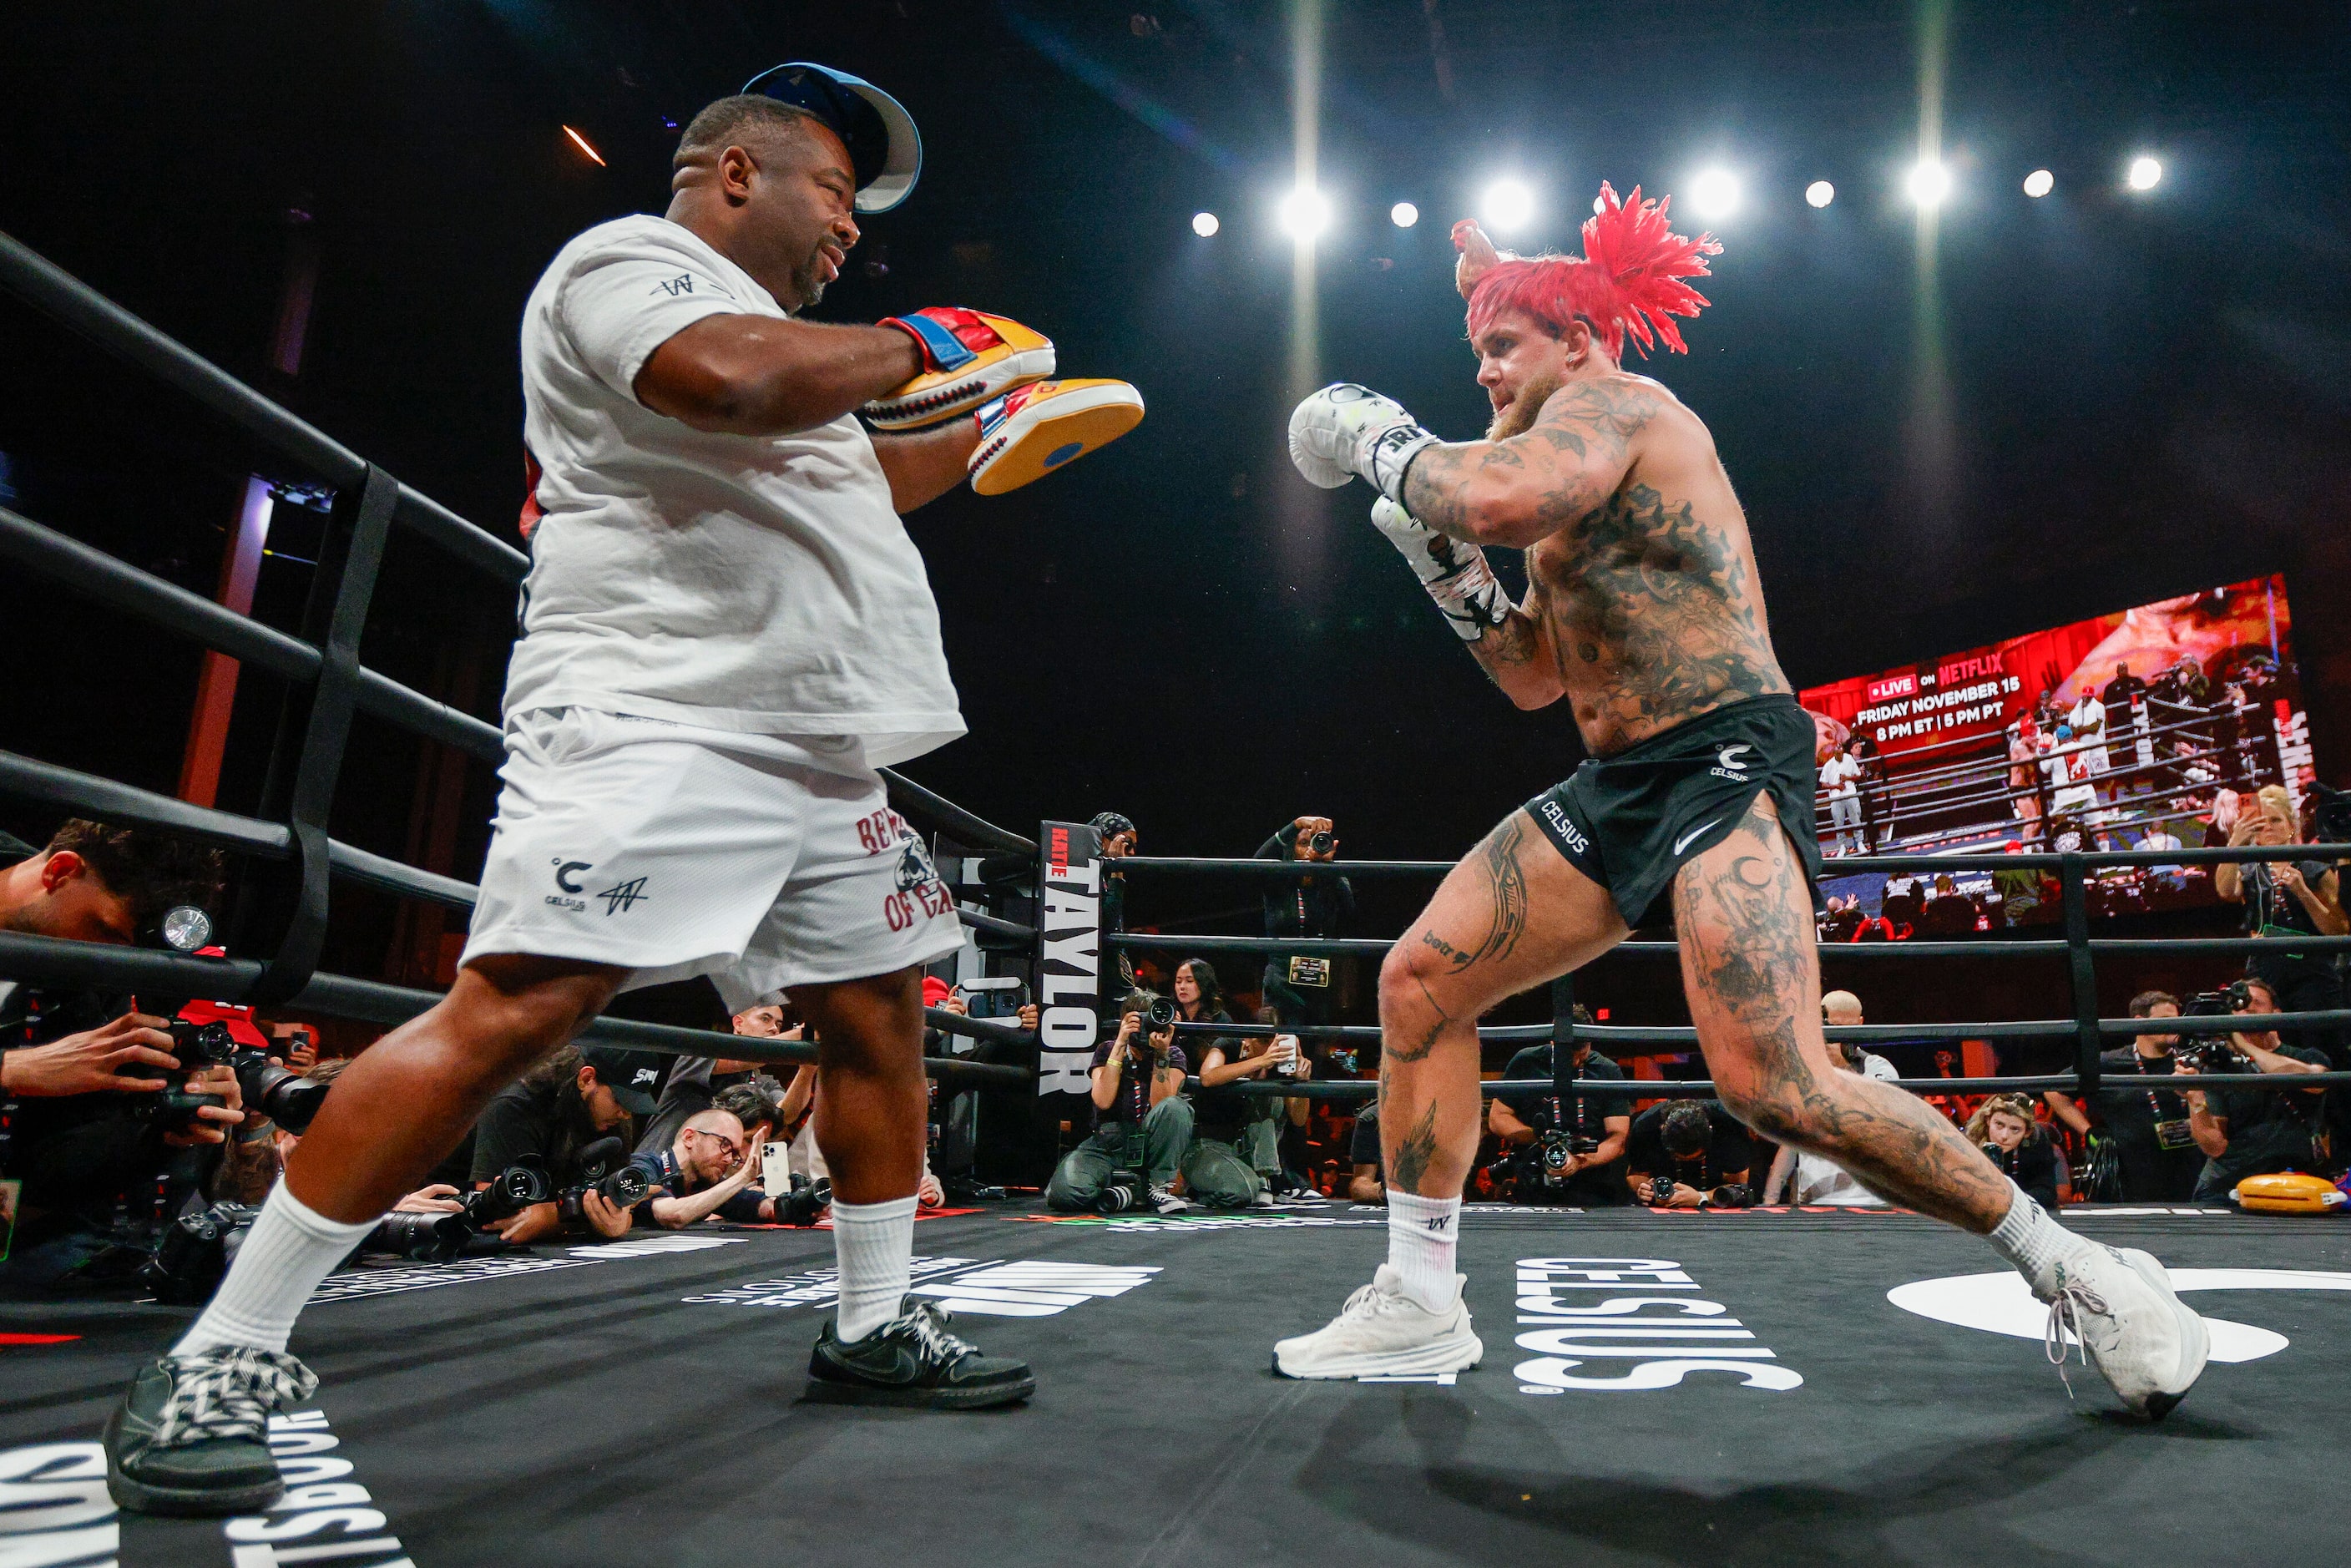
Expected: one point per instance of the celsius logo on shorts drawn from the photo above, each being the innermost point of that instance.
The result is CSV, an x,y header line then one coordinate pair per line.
x,y
566,879
1557,817
1728,764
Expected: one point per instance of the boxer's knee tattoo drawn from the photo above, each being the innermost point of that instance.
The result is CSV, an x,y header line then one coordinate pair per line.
x,y
1415,1154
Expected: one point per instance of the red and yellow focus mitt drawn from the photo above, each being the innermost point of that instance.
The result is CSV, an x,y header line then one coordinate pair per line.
x,y
967,358
1035,429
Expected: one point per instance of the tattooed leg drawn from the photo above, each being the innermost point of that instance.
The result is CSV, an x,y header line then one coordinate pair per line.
x,y
1512,915
1752,972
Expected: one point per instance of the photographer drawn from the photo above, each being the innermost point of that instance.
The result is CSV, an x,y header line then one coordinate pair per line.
x,y
2252,1132
1688,1153
1119,838
2153,1151
2284,900
554,1114
1142,1124
2004,1127
1300,987
1563,1149
695,1082
711,1167
1221,1167
97,1104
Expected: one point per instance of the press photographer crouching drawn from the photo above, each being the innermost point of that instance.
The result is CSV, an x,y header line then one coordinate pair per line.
x,y
1143,1123
110,1118
1563,1149
1688,1153
711,1164
2251,1131
548,1147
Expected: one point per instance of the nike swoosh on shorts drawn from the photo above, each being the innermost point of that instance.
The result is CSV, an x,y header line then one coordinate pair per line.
x,y
1694,832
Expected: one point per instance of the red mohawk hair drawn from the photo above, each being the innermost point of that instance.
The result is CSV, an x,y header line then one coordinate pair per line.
x,y
1628,279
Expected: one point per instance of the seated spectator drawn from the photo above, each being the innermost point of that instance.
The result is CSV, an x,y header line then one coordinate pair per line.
x,y
1368,1182
1230,1126
1594,1173
2004,1127
1143,1123
2259,1131
577,1098
1685,1153
93,1133
1806,1179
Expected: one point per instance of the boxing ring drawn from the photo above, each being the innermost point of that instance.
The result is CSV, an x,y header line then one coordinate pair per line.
x,y
1834,1387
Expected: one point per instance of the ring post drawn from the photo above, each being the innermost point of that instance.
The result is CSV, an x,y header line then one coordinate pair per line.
x,y
2075,901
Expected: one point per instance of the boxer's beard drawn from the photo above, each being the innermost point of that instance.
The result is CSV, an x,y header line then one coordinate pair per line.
x,y
808,278
1517,416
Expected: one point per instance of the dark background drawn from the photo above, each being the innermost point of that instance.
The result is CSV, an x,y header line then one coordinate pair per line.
x,y
2147,394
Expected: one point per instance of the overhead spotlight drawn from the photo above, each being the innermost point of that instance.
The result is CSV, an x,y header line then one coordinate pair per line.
x,y
1928,182
1507,204
2144,174
581,142
1205,224
1714,193
1403,214
1820,193
1305,213
2039,183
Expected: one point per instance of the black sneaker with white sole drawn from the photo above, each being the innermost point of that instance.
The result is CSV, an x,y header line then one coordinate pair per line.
x,y
912,1360
192,1434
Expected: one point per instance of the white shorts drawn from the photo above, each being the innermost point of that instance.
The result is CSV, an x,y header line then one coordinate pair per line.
x,y
675,851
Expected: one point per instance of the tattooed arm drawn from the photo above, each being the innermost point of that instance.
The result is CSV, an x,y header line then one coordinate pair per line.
x,y
1526,488
1516,652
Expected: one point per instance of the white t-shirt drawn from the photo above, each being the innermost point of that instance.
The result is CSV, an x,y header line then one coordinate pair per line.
x,y
759,584
2088,719
1821,1181
1838,773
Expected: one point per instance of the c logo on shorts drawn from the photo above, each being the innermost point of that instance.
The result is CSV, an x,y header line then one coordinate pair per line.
x,y
563,874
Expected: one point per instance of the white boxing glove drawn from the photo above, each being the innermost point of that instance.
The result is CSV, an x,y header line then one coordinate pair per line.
x,y
1346,430
1456,574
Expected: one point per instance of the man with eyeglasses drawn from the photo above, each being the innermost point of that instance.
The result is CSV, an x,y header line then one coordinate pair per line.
x,y
708,1170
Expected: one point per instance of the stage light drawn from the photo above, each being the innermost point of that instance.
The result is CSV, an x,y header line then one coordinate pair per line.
x,y
1714,193
1507,204
1205,224
581,142
1928,182
2144,174
1403,214
1820,193
1305,213
2039,183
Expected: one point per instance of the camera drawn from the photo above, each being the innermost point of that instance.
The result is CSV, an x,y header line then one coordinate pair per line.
x,y
421,1237
1124,1190
278,1092
1731,1195
2334,813
195,1251
804,1203
604,1170
1157,1016
1320,843
1661,1191
510,1192
1557,1148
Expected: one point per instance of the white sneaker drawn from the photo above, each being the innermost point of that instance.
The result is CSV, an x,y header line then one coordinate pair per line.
x,y
1383,1333
2120,1307
1164,1201
1263,1199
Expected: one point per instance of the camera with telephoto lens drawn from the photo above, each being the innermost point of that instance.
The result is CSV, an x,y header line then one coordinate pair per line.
x,y
806,1203
421,1237
512,1191
277,1092
2201,1052
1124,1190
1320,843
1731,1195
605,1170
1661,1191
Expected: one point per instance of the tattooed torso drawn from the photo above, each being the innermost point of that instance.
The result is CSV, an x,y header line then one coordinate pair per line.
x,y
1655,614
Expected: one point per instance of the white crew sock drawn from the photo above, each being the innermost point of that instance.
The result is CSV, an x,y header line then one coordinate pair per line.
x,y
1423,1233
2033,1242
290,1249
874,1244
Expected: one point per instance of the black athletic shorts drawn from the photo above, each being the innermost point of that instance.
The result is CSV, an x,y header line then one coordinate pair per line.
x,y
1628,821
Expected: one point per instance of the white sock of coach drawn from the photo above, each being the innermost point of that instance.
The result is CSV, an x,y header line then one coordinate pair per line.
x,y
2033,1242
1423,1234
874,1244
290,1249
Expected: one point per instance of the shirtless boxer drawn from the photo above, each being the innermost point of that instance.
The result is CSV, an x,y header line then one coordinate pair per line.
x,y
1643,608
727,632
